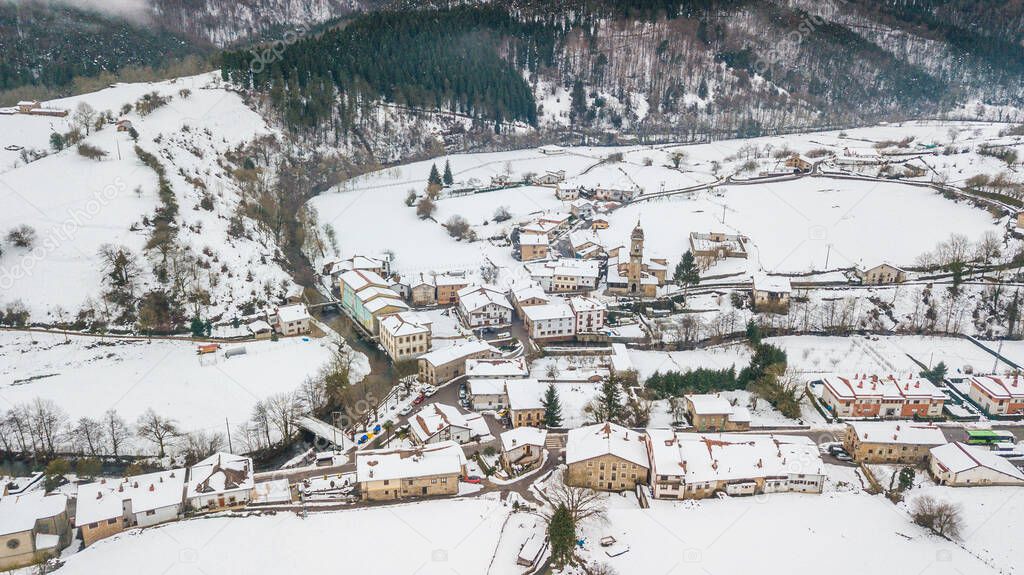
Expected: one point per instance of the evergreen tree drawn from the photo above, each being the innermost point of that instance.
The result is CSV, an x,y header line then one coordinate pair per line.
x,y
198,328
578,105
56,141
936,374
448,178
561,536
610,401
552,407
686,273
435,177
753,332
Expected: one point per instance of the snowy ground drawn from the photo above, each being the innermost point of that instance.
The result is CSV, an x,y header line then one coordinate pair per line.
x,y
717,357
456,536
89,375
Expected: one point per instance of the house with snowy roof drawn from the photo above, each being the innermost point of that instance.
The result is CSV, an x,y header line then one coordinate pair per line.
x,y
34,527
387,474
998,395
439,422
109,506
533,247
527,296
291,319
222,480
525,402
697,465
885,397
881,274
447,363
771,293
606,457
565,275
422,290
961,465
510,368
891,441
405,335
712,412
522,448
481,306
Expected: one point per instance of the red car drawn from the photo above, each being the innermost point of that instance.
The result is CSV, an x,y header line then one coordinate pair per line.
x,y
419,399
473,479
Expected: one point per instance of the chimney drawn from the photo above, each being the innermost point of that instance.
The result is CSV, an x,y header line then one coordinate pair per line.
x,y
152,487
99,495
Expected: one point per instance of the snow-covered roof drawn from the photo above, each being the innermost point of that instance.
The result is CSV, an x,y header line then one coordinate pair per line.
x,y
565,267
480,297
958,457
398,325
295,312
773,284
548,311
699,458
999,387
530,292
619,359
450,280
435,418
444,458
897,432
490,386
863,386
496,367
359,279
525,394
580,303
709,404
606,439
18,513
383,302
104,499
446,355
525,435
533,240
259,326
220,473
277,491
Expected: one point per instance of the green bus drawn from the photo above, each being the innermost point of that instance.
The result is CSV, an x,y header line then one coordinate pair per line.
x,y
988,436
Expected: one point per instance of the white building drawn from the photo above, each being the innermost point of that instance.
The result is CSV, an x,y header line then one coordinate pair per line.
x,y
695,466
551,321
291,319
565,275
522,447
514,368
439,422
482,306
221,480
771,293
405,335
998,395
589,314
961,465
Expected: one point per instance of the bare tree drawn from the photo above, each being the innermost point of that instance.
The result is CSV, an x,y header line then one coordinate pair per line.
x,y
84,116
283,410
88,436
22,236
160,430
49,422
116,431
201,444
583,503
943,518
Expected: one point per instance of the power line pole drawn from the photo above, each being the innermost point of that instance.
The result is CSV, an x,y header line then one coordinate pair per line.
x,y
227,428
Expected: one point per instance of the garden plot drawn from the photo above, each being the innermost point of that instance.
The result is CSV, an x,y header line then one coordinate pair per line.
x,y
718,357
436,537
88,375
813,357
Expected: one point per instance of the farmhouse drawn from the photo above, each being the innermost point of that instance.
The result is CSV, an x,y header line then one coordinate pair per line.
x,y
481,306
636,276
882,274
582,208
567,193
889,398
439,422
33,528
550,178
487,394
551,150
550,322
522,448
533,247
123,125
448,286
291,319
386,474
525,402
221,481
891,442
771,293
998,395
589,314
565,275
107,507
447,363
614,194
961,465
798,164
586,245
606,457
527,296
714,413
422,290
405,335
695,466
715,246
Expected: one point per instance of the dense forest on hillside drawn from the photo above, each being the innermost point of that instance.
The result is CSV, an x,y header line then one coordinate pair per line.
x,y
463,60
49,46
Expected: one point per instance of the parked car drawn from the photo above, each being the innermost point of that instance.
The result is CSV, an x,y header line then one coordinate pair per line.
x,y
462,394
428,390
472,479
405,410
419,399
842,456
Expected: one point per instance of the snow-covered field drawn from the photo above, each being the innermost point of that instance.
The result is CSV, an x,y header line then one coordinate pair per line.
x,y
76,205
89,375
456,536
716,357
812,356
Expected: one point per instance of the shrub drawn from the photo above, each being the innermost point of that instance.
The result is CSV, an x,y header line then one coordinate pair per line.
x,y
90,151
22,236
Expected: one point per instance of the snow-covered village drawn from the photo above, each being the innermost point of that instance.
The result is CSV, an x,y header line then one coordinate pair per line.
x,y
250,325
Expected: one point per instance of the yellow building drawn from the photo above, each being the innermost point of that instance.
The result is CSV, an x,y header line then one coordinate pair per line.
x,y
429,470
33,527
606,457
891,441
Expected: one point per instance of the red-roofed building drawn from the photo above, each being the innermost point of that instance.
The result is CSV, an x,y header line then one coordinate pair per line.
x,y
998,395
889,398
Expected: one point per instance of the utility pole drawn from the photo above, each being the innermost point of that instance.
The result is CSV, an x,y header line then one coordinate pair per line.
x,y
227,428
995,362
828,254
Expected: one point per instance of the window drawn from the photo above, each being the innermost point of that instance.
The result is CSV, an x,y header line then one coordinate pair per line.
x,y
153,512
93,525
13,543
111,521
